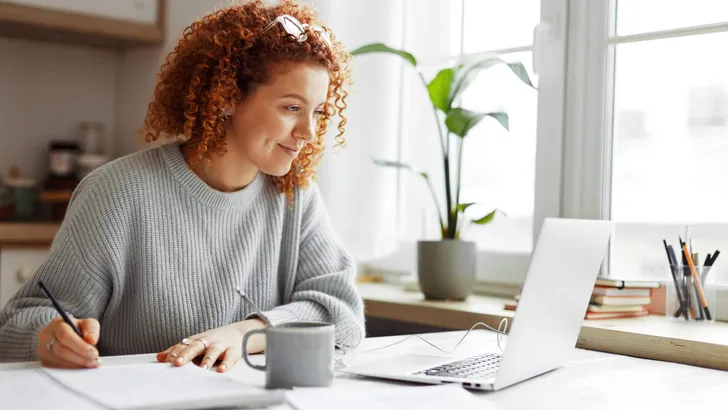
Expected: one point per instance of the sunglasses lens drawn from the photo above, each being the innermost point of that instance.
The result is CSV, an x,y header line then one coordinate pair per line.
x,y
323,34
294,28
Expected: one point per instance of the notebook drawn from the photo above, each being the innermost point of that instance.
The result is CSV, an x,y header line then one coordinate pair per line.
x,y
616,283
620,300
140,386
614,315
616,308
608,291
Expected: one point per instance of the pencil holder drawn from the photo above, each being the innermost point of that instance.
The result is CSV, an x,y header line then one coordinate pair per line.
x,y
686,301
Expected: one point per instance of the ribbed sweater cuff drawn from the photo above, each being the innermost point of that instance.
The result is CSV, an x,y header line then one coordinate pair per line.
x,y
292,312
277,316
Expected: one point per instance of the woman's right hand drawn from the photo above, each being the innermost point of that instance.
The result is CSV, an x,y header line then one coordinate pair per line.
x,y
60,346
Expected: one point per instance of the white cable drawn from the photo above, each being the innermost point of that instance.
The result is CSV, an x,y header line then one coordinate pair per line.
x,y
502,330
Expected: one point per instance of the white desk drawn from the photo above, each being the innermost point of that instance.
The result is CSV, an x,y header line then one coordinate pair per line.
x,y
592,380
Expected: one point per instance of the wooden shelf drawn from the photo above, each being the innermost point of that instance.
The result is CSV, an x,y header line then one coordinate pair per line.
x,y
27,234
44,24
652,337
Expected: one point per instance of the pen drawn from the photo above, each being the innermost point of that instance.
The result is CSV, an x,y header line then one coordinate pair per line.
x,y
706,269
696,260
715,256
696,279
673,270
709,261
686,284
59,309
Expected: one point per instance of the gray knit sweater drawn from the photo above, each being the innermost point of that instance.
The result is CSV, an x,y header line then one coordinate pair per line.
x,y
155,255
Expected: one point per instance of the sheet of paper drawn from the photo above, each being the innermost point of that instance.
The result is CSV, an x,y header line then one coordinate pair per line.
x,y
439,397
33,389
161,386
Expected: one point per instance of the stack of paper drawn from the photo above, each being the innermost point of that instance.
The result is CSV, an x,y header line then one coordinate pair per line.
x,y
145,386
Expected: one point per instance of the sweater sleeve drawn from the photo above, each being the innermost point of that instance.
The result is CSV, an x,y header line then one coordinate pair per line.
x,y
324,284
82,291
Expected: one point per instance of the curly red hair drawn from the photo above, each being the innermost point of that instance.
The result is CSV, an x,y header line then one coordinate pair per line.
x,y
217,62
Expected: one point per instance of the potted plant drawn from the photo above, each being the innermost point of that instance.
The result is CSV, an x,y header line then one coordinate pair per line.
x,y
446,267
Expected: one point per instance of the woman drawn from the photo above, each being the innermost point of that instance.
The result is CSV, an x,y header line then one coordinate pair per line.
x,y
154,244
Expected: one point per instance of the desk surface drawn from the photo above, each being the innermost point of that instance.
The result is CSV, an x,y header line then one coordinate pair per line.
x,y
591,380
652,337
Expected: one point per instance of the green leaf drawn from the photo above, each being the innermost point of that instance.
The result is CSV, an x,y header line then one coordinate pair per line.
x,y
502,118
460,121
400,165
383,48
521,72
463,207
439,89
484,220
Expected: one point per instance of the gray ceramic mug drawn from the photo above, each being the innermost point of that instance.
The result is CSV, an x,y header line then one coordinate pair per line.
x,y
298,354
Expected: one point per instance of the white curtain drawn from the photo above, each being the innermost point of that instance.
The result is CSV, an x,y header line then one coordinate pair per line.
x,y
360,197
379,212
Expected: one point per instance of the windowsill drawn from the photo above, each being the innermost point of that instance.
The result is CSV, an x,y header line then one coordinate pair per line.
x,y
653,337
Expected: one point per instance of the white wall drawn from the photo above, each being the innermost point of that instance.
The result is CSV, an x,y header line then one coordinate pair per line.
x,y
46,90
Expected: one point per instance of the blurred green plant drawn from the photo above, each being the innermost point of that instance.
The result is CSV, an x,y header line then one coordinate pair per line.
x,y
445,92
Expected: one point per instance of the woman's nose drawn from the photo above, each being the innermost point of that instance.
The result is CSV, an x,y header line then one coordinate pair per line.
x,y
306,132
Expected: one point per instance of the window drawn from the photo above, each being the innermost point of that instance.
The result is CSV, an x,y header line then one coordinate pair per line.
x,y
661,107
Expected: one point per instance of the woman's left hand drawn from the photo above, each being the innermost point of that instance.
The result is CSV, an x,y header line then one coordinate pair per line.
x,y
224,343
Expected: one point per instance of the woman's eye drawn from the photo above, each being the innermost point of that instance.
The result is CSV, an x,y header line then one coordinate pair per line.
x,y
293,108
318,113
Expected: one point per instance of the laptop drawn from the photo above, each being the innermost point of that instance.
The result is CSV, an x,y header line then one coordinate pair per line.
x,y
555,295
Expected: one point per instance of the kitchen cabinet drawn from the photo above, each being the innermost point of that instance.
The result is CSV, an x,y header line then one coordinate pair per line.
x,y
118,24
17,266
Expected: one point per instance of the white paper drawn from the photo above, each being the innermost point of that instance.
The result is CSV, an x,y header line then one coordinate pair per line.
x,y
420,397
32,389
161,386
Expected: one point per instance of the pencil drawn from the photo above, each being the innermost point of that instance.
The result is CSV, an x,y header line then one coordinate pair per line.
x,y
60,309
696,279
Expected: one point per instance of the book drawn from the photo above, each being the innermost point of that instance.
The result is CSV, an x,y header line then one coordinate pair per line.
x,y
614,315
620,300
615,283
616,308
607,291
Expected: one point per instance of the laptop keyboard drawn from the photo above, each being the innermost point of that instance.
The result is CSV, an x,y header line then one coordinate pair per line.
x,y
482,367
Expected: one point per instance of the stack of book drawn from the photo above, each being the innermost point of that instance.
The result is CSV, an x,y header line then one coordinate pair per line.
x,y
613,299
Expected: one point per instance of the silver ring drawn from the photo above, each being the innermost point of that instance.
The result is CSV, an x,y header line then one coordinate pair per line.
x,y
173,354
49,345
203,342
185,341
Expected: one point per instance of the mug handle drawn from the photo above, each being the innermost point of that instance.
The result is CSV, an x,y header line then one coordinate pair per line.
x,y
245,349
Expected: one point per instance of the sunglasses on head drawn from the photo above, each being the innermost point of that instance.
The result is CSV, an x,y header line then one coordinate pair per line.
x,y
298,30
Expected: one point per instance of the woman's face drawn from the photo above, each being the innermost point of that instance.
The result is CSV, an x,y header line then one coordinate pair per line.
x,y
277,119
